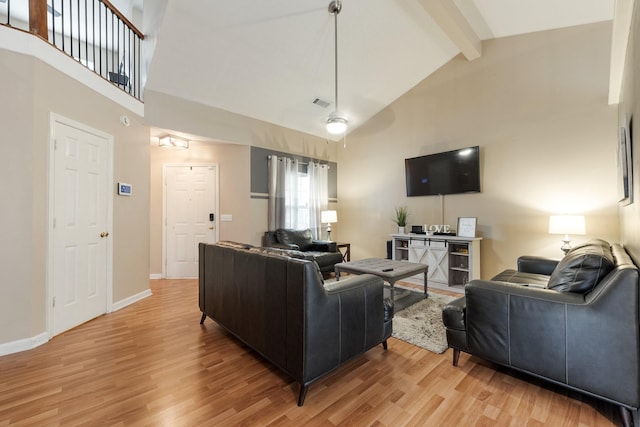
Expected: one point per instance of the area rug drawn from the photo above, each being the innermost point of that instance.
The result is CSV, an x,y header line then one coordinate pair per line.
x,y
421,323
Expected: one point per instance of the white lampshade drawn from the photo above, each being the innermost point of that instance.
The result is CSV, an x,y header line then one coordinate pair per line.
x,y
328,217
566,224
170,141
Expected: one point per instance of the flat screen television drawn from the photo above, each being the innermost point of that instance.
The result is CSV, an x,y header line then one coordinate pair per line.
x,y
450,172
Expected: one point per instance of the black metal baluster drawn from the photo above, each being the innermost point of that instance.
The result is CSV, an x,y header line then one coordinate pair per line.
x,y
53,21
86,33
79,19
62,31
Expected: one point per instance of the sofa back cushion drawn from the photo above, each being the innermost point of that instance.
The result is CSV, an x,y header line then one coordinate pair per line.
x,y
582,268
302,238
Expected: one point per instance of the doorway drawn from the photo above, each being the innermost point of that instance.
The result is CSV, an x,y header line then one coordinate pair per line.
x,y
80,220
190,216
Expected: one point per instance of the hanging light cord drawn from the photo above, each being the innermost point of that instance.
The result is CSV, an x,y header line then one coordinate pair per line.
x,y
335,7
338,6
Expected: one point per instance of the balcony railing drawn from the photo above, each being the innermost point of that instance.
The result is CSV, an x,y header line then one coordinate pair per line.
x,y
93,32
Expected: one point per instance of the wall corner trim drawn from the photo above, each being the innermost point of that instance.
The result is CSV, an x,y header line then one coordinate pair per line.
x,y
130,300
24,344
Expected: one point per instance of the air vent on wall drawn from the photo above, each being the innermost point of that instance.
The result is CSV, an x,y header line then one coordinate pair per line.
x,y
321,102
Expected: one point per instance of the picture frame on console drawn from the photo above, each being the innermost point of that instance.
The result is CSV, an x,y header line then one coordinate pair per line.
x,y
625,165
467,226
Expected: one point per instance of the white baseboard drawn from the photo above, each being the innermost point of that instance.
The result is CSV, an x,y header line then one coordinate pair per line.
x,y
130,300
24,344
156,276
33,342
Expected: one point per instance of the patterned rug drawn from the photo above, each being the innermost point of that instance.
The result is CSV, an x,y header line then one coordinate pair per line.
x,y
421,324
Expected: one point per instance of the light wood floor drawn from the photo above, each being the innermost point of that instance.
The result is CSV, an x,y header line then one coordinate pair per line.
x,y
153,364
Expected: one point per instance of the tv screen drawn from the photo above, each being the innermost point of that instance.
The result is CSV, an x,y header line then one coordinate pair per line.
x,y
450,172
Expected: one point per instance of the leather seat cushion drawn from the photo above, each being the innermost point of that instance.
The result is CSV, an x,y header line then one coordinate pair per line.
x,y
582,268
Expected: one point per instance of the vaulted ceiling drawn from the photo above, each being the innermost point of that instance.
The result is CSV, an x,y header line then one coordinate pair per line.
x,y
270,59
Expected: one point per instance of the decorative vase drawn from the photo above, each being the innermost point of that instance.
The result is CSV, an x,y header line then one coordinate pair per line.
x,y
400,230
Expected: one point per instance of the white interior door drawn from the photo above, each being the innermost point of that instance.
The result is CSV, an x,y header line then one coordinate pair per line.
x,y
191,216
81,222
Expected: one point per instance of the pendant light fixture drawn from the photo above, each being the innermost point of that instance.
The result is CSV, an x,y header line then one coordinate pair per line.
x,y
336,123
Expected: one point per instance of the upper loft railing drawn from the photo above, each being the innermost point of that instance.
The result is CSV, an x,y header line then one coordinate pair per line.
x,y
93,32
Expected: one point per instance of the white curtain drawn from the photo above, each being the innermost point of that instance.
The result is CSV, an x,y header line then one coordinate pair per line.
x,y
318,196
283,193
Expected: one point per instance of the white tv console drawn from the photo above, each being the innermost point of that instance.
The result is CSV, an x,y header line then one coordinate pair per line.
x,y
452,260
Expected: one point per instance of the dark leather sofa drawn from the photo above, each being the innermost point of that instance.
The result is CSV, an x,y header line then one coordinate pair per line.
x,y
323,252
574,322
280,307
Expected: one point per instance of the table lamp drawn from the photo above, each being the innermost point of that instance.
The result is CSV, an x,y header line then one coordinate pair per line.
x,y
566,224
329,217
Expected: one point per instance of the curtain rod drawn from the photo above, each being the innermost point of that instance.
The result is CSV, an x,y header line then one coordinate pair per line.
x,y
299,161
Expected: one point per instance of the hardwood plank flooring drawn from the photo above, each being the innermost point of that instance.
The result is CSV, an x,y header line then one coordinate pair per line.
x,y
153,364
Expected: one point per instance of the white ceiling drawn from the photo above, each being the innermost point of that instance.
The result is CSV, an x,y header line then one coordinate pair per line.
x,y
270,59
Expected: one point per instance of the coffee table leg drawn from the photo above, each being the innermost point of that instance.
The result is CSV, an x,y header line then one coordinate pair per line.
x,y
426,294
337,275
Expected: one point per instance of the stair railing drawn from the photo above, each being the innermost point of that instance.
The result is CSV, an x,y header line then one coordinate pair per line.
x,y
93,32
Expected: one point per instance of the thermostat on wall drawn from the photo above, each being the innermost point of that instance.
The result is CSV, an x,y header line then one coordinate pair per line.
x,y
124,189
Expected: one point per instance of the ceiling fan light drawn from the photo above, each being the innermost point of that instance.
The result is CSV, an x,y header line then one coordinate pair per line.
x,y
336,125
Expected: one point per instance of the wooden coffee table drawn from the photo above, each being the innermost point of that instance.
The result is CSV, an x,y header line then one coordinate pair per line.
x,y
388,270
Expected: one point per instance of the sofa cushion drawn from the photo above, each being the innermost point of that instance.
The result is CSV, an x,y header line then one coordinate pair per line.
x,y
582,268
301,238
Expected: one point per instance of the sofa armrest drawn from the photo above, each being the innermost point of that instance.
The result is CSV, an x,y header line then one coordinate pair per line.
x,y
537,265
322,246
347,321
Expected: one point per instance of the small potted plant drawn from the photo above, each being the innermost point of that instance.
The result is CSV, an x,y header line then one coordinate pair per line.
x,y
401,218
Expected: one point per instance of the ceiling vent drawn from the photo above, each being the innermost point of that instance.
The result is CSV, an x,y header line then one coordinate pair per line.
x,y
321,102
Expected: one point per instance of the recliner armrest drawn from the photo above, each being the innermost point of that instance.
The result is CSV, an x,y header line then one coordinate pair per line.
x,y
288,246
322,246
537,265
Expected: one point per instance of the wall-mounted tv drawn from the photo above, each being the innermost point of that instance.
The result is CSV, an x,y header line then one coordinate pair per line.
x,y
450,172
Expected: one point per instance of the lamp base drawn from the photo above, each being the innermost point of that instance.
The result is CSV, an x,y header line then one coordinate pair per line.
x,y
329,232
566,245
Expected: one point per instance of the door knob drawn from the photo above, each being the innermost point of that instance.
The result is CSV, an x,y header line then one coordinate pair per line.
x,y
104,234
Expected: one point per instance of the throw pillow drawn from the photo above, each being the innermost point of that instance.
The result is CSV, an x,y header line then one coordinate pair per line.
x,y
582,268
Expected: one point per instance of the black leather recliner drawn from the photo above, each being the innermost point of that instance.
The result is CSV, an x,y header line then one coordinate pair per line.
x,y
280,307
323,252
574,322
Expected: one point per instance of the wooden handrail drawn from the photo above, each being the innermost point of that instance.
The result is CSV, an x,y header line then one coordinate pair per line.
x,y
122,17
38,18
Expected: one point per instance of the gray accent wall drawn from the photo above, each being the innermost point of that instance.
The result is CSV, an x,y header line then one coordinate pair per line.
x,y
260,171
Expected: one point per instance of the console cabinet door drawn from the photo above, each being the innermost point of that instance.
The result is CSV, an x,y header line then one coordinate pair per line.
x,y
434,254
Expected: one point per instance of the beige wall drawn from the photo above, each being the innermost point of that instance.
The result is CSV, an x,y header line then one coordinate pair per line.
x,y
31,90
536,105
232,135
630,106
233,164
